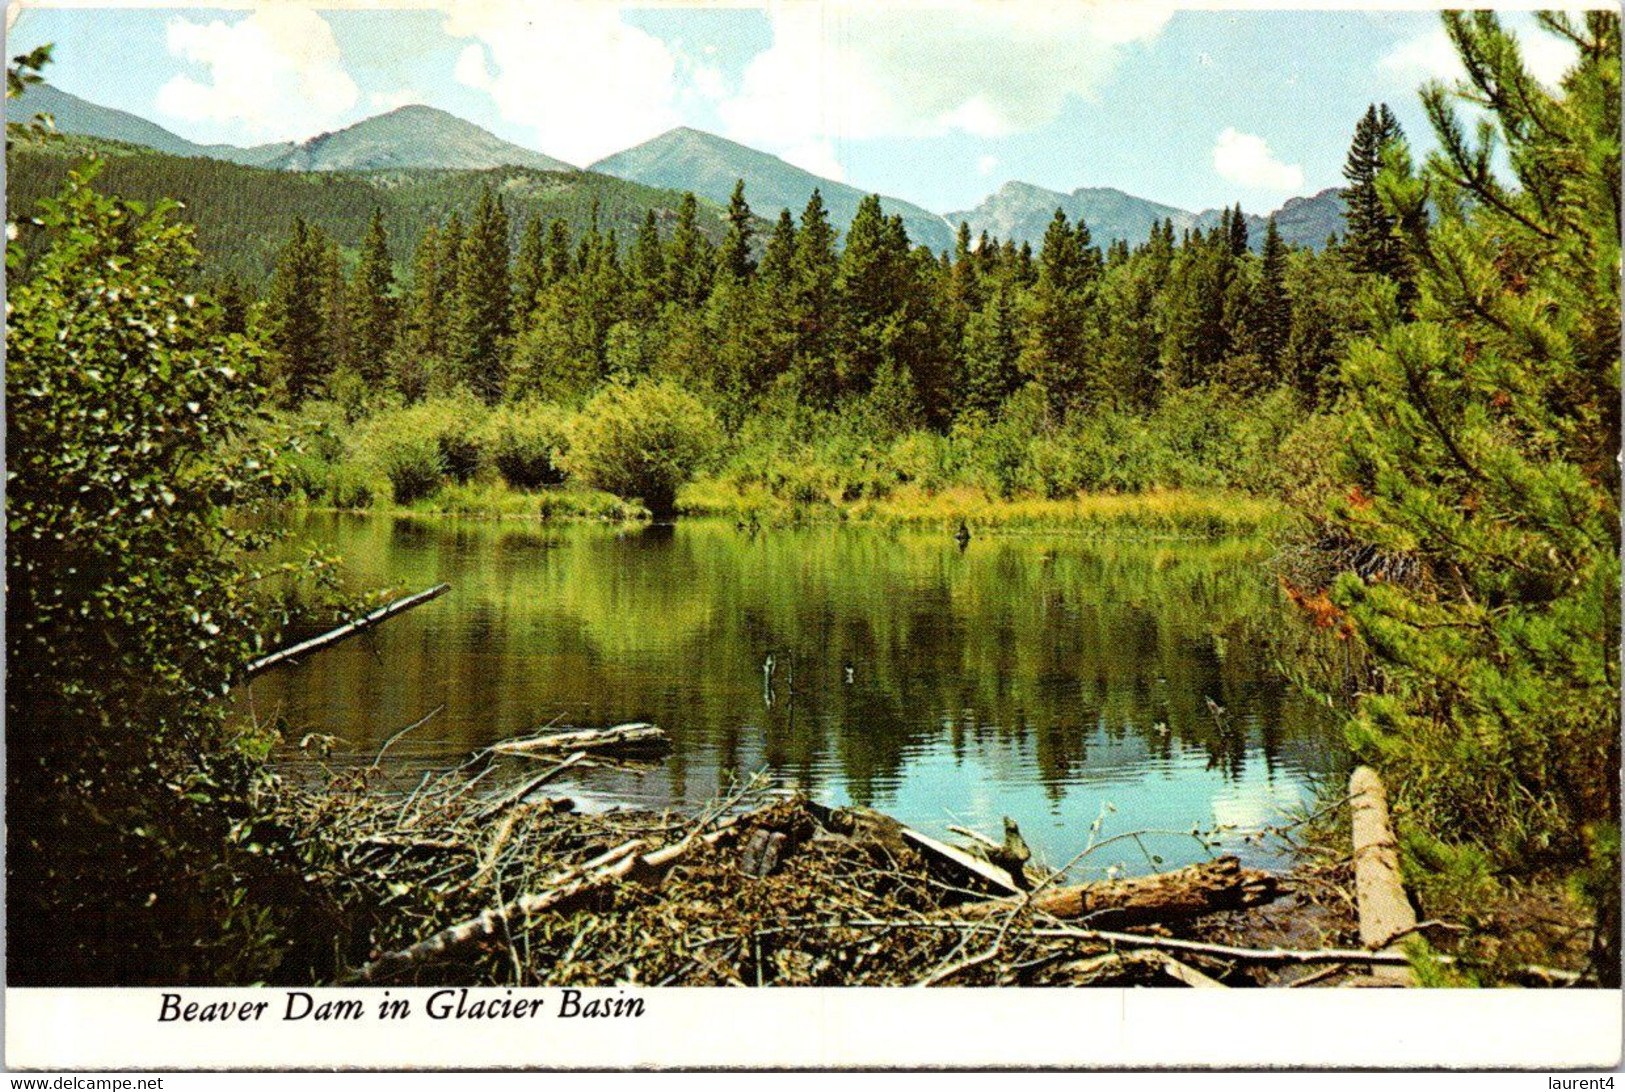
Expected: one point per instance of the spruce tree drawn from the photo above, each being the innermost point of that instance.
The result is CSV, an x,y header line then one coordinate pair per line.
x,y
1372,244
991,349
811,309
297,323
484,306
1484,438
1057,320
337,343
735,258
559,262
531,273
688,258
649,285
1238,232
372,304
1274,309
421,339
778,261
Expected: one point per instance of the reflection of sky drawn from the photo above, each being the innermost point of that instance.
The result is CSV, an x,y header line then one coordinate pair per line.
x,y
1135,793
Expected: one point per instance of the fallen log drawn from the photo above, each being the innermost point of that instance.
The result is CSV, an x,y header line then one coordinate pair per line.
x,y
1205,888
624,737
1229,951
1385,913
342,633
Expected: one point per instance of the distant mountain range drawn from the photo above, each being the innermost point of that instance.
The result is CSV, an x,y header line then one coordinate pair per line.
x,y
1021,212
422,137
72,114
709,166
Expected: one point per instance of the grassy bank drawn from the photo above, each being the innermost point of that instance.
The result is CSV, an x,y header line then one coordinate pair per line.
x,y
1175,513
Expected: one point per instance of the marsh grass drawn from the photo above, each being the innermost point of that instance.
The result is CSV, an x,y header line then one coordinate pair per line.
x,y
1173,513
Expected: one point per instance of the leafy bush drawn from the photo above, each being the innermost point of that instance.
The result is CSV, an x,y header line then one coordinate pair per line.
x,y
642,441
525,442
130,858
417,447
411,462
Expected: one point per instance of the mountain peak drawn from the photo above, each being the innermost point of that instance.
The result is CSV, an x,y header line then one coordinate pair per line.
x,y
413,135
709,166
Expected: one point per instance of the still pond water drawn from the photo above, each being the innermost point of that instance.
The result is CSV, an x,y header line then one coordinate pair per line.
x,y
1049,679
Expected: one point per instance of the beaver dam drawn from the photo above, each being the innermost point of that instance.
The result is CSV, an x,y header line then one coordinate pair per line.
x,y
512,887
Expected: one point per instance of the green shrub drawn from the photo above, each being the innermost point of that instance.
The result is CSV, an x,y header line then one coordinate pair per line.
x,y
127,617
642,441
411,462
349,486
525,443
923,457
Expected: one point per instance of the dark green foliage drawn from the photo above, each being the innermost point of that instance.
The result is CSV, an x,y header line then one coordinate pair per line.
x,y
484,307
297,320
372,305
531,272
1372,240
688,257
242,213
1484,436
1274,306
734,257
132,852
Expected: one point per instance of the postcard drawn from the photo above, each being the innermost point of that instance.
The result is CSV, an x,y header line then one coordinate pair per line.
x,y
811,534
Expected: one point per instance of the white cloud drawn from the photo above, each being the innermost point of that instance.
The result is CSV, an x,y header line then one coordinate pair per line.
x,y
1547,57
471,70
1431,56
987,165
571,70
817,156
851,69
1427,56
1246,160
278,73
394,100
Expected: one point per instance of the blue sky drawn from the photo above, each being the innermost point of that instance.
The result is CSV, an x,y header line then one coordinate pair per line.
x,y
939,106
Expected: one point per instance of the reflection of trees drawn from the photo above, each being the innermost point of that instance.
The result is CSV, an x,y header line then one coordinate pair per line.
x,y
1018,652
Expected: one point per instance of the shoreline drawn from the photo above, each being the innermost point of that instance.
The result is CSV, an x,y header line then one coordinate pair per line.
x,y
1163,515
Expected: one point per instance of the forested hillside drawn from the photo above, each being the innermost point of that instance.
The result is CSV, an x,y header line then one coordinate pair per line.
x,y
243,214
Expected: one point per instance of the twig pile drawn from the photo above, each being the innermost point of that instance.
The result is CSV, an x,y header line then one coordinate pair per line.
x,y
460,882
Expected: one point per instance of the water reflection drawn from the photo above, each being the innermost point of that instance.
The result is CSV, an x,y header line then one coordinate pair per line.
x,y
1041,678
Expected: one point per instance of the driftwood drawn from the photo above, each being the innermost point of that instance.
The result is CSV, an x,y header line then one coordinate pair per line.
x,y
971,866
564,891
1385,913
1206,888
342,633
624,737
1190,976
